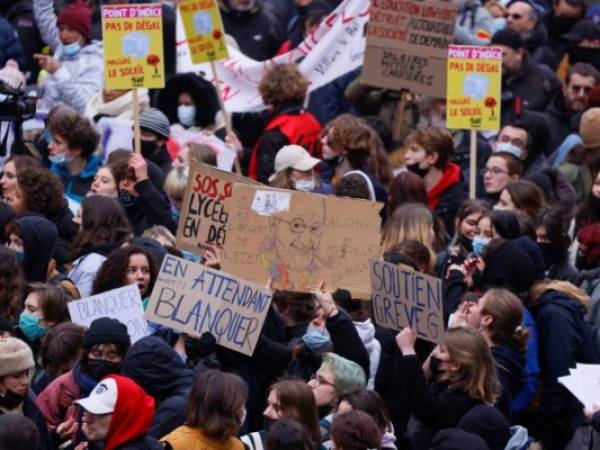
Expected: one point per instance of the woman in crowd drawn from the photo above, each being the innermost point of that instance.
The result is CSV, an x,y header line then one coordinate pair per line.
x,y
61,348
104,228
105,182
500,169
289,434
175,185
192,152
295,169
12,166
589,211
406,187
12,284
215,413
521,195
355,430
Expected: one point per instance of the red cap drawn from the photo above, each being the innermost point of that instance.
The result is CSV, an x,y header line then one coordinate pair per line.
x,y
77,16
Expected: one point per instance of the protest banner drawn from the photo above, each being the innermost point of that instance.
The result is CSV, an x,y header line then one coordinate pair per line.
x,y
123,304
407,44
204,30
298,239
403,297
473,96
204,211
193,299
335,48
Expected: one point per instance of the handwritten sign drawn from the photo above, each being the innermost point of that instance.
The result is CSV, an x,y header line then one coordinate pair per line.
x,y
403,297
194,299
123,304
407,45
133,46
204,211
204,30
473,98
298,239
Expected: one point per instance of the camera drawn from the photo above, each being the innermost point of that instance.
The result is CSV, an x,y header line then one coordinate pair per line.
x,y
16,105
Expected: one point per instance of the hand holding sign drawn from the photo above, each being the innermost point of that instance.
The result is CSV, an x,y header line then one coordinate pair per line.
x,y
406,341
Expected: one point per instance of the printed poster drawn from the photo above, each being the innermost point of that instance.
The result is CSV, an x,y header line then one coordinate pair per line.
x,y
204,30
133,46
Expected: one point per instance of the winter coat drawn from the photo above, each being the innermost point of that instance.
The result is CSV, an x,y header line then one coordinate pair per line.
x,y
141,443
87,265
474,25
20,15
159,370
447,195
366,331
32,412
187,438
10,45
532,368
79,78
510,367
39,242
151,208
562,121
329,101
77,185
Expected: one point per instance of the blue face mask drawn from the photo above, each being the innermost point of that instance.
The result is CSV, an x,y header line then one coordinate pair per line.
x,y
20,256
71,50
30,326
317,339
174,212
507,147
479,245
186,115
60,159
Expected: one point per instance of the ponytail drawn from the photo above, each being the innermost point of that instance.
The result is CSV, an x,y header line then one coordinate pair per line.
x,y
506,310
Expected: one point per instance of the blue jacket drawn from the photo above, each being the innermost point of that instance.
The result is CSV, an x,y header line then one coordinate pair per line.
x,y
525,396
76,186
10,46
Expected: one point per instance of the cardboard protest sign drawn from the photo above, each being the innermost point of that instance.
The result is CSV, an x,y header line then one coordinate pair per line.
x,y
204,211
123,304
403,297
194,299
474,76
133,46
299,239
407,44
204,30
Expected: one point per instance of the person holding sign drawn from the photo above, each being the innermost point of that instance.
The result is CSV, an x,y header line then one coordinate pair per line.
x,y
75,71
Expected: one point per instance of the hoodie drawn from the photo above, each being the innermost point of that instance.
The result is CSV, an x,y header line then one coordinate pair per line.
x,y
159,370
87,265
510,366
366,331
447,195
39,242
132,416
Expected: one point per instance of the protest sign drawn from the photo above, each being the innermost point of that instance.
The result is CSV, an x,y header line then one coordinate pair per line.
x,y
473,98
193,298
133,46
123,304
407,45
224,152
403,297
298,239
204,30
204,210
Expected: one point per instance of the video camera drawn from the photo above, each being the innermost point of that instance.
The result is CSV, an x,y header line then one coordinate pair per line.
x,y
16,106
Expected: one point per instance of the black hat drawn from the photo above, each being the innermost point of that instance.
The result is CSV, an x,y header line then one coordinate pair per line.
x,y
5,325
454,439
106,331
584,29
344,300
507,37
509,266
489,424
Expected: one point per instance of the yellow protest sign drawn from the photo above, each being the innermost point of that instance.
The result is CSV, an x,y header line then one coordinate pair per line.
x,y
133,46
204,30
473,93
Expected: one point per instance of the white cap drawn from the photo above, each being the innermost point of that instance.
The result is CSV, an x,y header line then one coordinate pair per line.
x,y
295,157
103,398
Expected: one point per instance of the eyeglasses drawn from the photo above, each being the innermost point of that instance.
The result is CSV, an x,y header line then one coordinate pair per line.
x,y
493,170
576,88
298,226
318,380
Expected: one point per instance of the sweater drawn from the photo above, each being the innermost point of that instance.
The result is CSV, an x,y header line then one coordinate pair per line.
x,y
187,438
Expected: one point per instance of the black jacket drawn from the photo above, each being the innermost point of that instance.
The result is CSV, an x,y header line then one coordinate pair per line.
x,y
20,16
562,121
510,367
31,411
142,443
449,204
39,241
150,208
159,370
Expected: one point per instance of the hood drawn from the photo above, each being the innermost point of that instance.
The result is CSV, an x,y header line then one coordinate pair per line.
x,y
157,368
450,177
489,424
39,241
19,7
538,38
560,300
510,365
366,330
133,414
509,266
102,248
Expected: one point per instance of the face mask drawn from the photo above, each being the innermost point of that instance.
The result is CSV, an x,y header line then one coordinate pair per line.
x,y
175,212
586,55
498,24
126,199
60,159
30,326
560,25
71,50
414,168
99,368
186,115
305,185
148,148
549,254
317,339
507,147
10,400
20,256
434,367
479,245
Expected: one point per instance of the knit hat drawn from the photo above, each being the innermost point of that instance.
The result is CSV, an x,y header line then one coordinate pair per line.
x,y
508,37
589,129
15,356
489,424
12,76
77,16
155,121
106,330
510,266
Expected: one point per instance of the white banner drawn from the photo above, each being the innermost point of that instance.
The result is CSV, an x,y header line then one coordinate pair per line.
x,y
336,47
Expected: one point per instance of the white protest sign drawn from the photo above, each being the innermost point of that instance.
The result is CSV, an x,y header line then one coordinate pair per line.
x,y
335,48
123,304
194,299
403,297
225,153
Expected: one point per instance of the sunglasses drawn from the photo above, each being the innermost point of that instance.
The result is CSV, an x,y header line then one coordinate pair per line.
x,y
577,88
515,16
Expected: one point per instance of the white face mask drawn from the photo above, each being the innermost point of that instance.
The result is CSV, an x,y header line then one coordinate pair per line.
x,y
186,115
305,185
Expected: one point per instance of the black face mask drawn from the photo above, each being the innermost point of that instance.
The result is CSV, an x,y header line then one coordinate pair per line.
x,y
414,168
99,368
560,25
434,367
147,147
465,242
584,54
9,400
549,254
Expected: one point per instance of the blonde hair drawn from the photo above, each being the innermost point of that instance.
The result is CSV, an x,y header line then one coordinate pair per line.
x,y
201,153
568,289
160,233
477,374
409,222
507,311
176,181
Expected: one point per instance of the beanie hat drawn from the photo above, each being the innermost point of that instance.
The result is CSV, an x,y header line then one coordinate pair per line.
x,y
154,120
106,330
77,16
508,37
509,266
589,128
12,76
15,356
489,424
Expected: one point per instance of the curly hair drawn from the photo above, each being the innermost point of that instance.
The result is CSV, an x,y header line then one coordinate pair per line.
x,y
42,190
77,131
102,220
112,273
283,83
12,284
